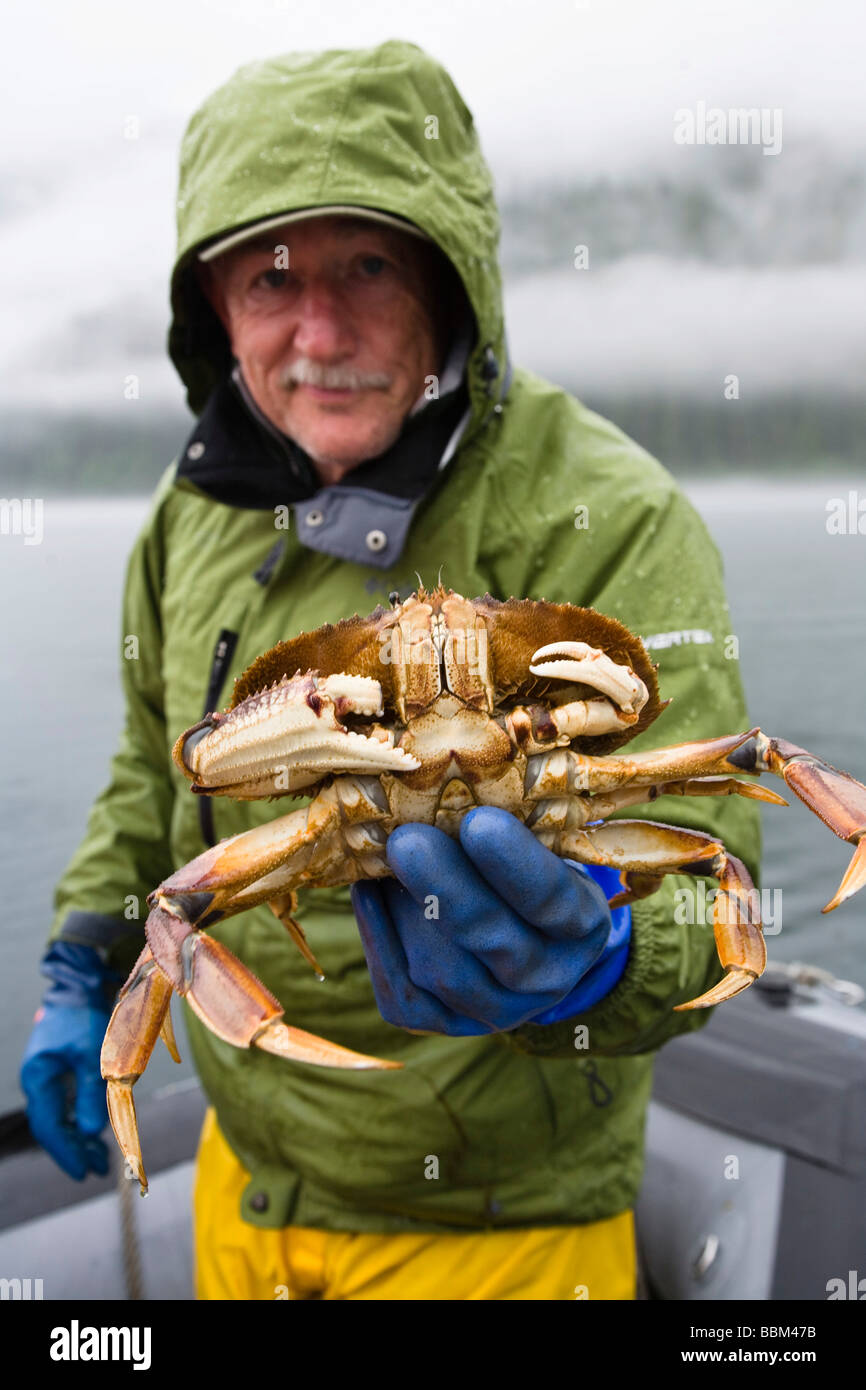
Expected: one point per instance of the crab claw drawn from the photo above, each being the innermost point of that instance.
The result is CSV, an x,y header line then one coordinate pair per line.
x,y
586,665
288,736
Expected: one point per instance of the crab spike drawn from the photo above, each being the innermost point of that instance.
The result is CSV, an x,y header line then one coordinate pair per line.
x,y
283,909
297,1046
734,981
731,786
166,1032
121,1113
854,879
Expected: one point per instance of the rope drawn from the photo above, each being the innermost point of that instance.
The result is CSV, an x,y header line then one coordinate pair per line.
x,y
129,1246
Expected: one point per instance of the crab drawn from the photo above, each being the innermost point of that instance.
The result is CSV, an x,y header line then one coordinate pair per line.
x,y
420,712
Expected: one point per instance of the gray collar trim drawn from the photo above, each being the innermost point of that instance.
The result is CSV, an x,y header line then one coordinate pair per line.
x,y
366,526
357,524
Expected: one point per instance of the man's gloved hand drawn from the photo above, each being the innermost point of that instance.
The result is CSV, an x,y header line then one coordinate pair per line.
x,y
63,1050
487,934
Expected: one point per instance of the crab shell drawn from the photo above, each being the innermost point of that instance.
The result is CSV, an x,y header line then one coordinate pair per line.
x,y
441,674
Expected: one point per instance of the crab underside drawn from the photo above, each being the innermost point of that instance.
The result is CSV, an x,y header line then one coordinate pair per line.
x,y
418,713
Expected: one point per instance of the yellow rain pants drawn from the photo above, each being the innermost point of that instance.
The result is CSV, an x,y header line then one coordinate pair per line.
x,y
235,1260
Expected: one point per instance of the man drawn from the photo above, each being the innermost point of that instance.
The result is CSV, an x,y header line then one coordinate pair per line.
x,y
338,326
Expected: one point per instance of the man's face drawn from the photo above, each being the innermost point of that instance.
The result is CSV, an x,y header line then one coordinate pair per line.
x,y
336,347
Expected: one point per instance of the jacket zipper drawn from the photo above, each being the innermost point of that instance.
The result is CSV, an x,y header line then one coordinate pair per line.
x,y
222,655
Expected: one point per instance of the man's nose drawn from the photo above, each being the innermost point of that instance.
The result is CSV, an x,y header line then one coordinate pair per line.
x,y
324,326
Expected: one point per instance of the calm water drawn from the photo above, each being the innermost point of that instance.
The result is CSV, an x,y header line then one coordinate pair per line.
x,y
797,600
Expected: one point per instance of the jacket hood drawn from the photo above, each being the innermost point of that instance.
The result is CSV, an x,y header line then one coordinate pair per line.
x,y
381,128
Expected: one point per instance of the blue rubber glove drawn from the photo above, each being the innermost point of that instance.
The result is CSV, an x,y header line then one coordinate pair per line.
x,y
487,934
64,1046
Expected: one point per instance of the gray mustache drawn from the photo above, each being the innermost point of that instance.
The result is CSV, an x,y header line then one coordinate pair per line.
x,y
307,373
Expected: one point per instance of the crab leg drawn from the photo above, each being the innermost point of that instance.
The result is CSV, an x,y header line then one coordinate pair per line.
x,y
682,760
221,992
562,771
838,799
649,850
550,788
209,882
140,1015
603,806
228,998
260,865
337,837
284,909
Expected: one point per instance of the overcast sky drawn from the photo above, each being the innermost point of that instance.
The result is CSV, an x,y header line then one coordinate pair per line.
x,y
559,89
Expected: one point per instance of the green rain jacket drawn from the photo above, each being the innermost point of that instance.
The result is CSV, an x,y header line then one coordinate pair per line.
x,y
542,498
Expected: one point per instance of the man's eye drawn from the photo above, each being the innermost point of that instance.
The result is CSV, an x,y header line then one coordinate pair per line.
x,y
274,279
373,265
